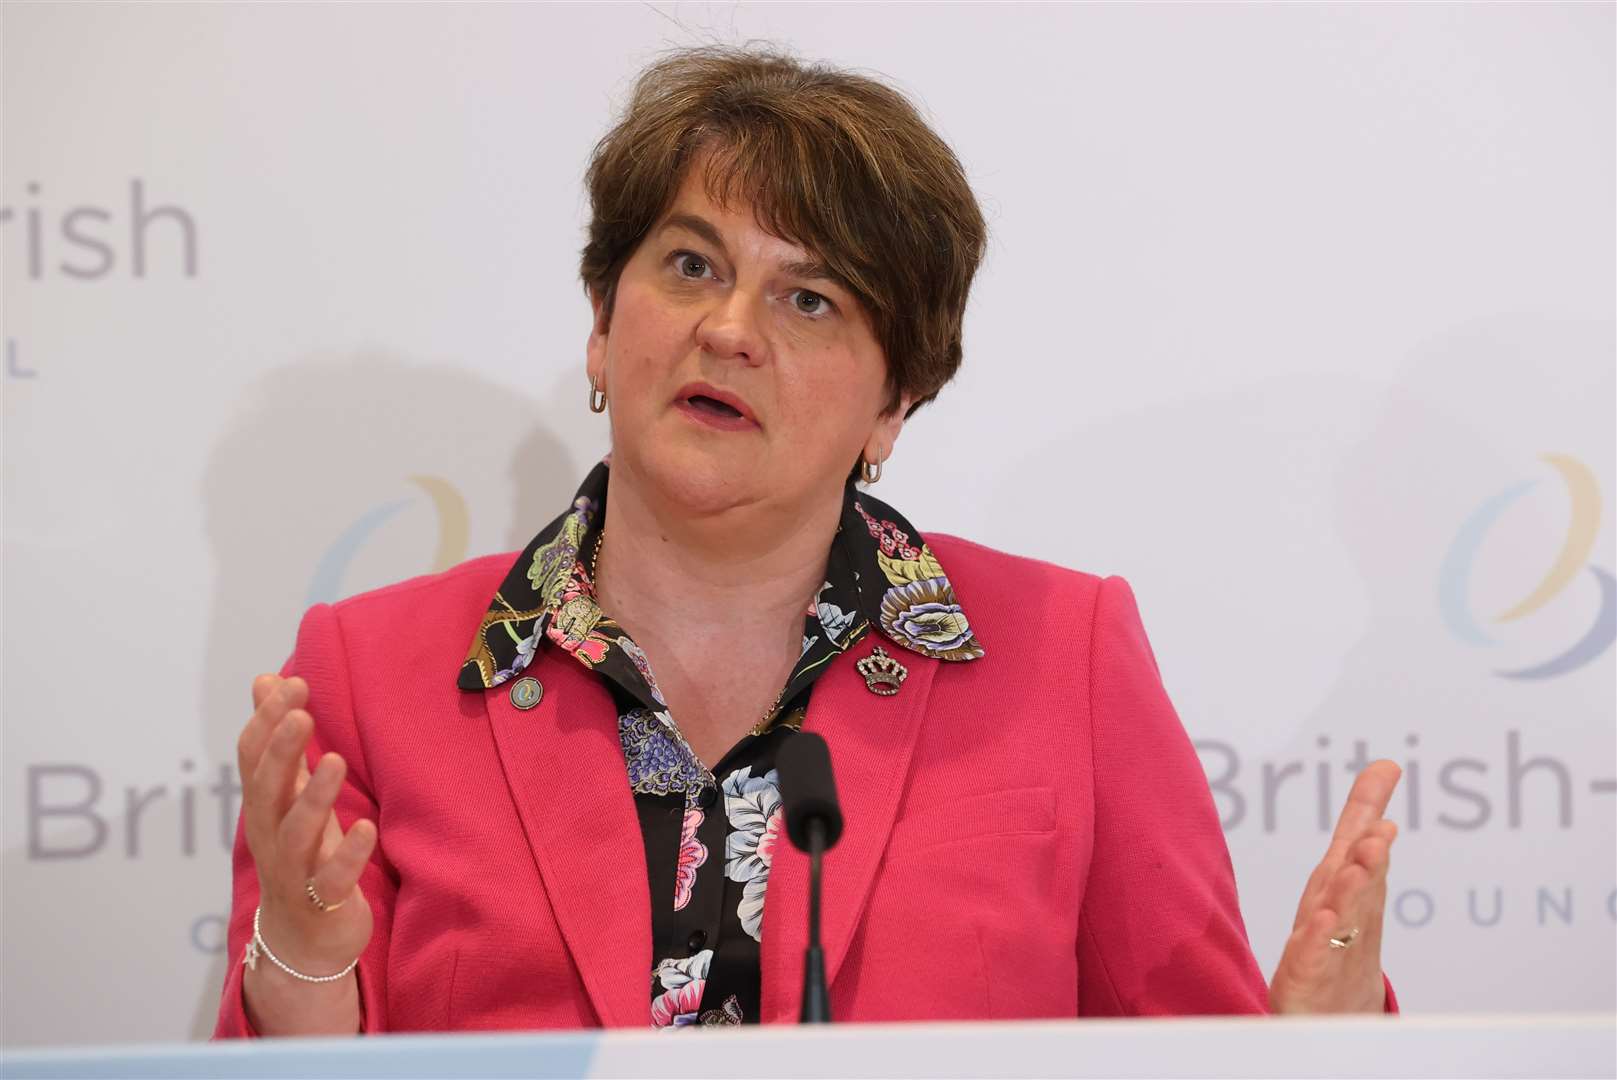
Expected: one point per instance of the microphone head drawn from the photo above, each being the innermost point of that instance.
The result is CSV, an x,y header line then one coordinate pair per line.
x,y
807,789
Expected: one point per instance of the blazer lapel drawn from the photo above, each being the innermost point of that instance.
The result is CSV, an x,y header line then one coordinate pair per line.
x,y
564,763
871,739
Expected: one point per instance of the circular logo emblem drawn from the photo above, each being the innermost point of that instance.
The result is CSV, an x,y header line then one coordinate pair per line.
x,y
1454,583
453,529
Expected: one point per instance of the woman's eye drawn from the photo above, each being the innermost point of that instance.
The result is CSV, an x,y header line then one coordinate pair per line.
x,y
684,261
812,303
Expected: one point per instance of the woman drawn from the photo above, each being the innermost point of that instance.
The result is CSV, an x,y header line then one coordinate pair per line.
x,y
583,826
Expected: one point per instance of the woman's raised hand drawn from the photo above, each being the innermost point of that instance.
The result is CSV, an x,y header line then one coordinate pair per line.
x,y
1343,900
297,844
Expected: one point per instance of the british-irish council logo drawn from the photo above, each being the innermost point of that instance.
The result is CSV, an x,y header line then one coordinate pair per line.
x,y
453,531
1455,578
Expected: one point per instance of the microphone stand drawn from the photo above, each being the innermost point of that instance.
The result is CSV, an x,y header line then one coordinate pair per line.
x,y
808,793
816,998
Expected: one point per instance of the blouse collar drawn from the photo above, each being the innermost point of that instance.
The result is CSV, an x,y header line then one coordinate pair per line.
x,y
880,572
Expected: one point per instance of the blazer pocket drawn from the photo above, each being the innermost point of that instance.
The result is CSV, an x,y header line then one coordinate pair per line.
x,y
1002,813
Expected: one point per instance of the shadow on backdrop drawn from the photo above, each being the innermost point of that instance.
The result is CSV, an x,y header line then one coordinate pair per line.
x,y
344,474
1287,540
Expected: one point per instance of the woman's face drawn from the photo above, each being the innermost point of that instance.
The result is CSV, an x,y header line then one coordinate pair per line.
x,y
736,373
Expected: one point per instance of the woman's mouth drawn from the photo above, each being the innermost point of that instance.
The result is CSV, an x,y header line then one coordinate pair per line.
x,y
715,407
712,405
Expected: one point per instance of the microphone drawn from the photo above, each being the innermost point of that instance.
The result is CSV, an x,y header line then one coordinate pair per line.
x,y
808,794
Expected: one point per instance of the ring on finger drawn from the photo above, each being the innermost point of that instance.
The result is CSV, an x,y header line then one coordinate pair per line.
x,y
1343,938
314,898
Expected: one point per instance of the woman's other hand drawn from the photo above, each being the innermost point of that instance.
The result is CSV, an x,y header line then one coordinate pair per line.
x,y
296,840
1344,898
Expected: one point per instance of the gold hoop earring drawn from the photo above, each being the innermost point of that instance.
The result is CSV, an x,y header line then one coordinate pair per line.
x,y
597,397
872,473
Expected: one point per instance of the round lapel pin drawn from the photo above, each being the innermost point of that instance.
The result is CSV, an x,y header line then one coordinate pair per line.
x,y
526,693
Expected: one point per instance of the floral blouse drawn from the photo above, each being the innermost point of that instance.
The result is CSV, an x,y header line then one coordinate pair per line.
x,y
710,835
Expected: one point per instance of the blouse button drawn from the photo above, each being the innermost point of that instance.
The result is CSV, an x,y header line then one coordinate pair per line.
x,y
709,796
697,939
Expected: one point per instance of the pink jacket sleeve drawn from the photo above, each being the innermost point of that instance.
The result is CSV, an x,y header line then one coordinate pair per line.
x,y
320,659
1160,932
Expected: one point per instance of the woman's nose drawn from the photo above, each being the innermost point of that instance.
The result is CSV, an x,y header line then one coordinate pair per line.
x,y
733,327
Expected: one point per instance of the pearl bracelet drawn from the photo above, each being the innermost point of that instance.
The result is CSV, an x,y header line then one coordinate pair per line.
x,y
258,945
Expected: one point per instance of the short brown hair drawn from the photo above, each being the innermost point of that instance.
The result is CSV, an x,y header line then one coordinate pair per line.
x,y
836,162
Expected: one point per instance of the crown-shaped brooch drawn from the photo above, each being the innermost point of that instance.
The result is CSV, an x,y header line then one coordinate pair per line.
x,y
883,675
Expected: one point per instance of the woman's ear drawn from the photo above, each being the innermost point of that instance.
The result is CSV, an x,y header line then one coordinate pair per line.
x,y
879,447
595,347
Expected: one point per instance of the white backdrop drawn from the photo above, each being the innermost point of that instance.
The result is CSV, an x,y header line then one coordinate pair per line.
x,y
1300,317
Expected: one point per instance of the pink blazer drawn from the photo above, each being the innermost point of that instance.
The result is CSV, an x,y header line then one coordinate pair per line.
x,y
1029,834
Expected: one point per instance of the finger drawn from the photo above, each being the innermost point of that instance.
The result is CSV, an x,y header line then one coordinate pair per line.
x,y
302,776
1375,855
1314,894
1370,853
288,694
1347,897
304,825
1366,802
331,835
273,785
263,686
335,878
1360,816
1311,893
1314,890
250,748
1378,835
